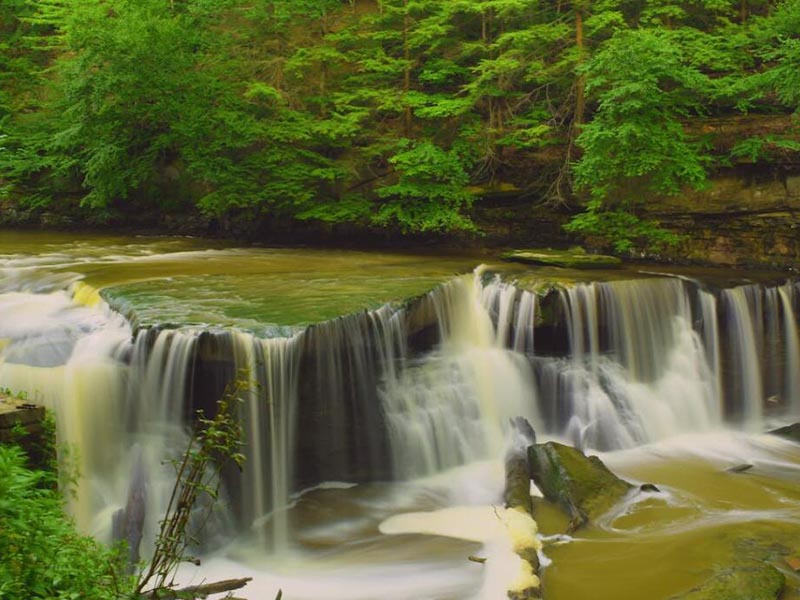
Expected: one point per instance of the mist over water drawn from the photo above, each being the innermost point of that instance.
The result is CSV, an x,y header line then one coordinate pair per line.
x,y
402,409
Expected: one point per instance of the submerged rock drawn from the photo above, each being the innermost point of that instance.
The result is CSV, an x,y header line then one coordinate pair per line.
x,y
746,581
582,486
649,487
572,259
739,468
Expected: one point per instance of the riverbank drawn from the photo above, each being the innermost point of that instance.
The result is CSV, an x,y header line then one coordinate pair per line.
x,y
748,217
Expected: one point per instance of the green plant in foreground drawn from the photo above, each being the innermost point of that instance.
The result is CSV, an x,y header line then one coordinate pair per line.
x,y
43,556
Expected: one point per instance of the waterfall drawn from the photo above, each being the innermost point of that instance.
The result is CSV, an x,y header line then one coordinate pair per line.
x,y
744,331
62,355
398,392
268,369
452,406
788,300
636,370
711,342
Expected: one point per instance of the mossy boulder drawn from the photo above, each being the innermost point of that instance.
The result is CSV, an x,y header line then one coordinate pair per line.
x,y
746,581
571,259
581,485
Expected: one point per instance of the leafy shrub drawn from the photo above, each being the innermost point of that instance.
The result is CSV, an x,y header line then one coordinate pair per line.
x,y
43,556
623,230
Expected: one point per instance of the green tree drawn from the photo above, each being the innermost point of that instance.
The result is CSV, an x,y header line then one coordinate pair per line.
x,y
430,192
636,144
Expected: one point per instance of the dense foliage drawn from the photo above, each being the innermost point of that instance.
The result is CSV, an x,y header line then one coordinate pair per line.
x,y
379,112
43,555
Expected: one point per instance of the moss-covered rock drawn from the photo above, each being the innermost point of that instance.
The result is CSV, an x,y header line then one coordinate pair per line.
x,y
572,259
582,486
745,581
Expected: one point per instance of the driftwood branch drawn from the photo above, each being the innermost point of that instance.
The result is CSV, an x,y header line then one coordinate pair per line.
x,y
199,591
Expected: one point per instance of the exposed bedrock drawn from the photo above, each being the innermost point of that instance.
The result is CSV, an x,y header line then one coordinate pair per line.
x,y
749,216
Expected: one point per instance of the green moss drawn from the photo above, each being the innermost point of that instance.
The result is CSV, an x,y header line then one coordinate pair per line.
x,y
582,486
571,259
744,581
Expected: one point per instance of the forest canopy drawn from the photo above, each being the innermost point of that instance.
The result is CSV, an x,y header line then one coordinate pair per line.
x,y
388,113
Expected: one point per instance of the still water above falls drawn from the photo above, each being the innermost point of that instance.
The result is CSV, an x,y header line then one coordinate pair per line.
x,y
401,407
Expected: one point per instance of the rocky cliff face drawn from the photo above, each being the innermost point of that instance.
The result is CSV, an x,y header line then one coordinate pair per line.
x,y
749,216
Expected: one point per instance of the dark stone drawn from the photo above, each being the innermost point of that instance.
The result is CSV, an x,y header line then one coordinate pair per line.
x,y
582,486
789,432
522,426
739,468
649,487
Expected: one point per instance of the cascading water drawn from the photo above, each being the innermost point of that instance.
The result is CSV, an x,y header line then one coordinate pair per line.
x,y
711,342
640,367
791,332
451,407
742,304
397,393
636,370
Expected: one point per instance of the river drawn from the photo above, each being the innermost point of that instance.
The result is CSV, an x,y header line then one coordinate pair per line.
x,y
381,385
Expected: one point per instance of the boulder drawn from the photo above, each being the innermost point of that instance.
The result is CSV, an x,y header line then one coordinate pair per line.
x,y
582,486
789,432
745,581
